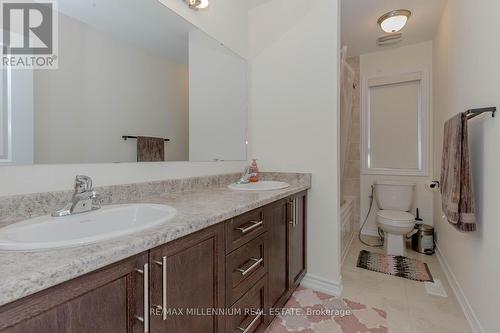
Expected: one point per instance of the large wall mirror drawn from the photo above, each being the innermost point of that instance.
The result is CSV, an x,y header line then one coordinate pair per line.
x,y
396,125
127,69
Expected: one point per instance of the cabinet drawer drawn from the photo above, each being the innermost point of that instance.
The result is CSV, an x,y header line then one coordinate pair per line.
x,y
244,228
248,314
245,266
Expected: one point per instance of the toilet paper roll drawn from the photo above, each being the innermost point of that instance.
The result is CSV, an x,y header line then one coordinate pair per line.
x,y
432,186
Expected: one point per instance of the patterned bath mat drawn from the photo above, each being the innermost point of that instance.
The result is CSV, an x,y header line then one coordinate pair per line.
x,y
395,265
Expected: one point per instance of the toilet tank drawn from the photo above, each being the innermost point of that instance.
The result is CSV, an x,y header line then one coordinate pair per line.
x,y
392,195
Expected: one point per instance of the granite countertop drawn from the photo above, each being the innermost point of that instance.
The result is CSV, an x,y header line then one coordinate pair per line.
x,y
25,273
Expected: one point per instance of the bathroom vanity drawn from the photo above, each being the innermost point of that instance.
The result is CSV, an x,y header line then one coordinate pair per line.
x,y
223,277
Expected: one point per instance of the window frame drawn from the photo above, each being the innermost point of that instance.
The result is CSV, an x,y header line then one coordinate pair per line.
x,y
422,76
6,114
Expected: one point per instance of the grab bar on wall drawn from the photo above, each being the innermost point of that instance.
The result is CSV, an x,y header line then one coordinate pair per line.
x,y
473,113
125,137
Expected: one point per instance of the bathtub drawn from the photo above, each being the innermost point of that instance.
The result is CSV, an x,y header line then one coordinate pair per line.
x,y
347,223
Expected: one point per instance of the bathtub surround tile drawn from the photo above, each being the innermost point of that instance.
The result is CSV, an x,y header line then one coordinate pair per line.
x,y
351,187
355,116
200,203
354,152
356,135
353,169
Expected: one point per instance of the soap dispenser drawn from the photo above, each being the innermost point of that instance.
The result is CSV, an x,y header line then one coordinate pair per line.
x,y
254,172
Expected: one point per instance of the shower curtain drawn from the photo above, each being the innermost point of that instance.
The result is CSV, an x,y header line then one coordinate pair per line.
x,y
346,106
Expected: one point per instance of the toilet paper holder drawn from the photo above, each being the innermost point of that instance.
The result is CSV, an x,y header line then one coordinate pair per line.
x,y
435,184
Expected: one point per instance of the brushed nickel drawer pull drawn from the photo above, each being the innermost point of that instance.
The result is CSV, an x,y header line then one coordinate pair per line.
x,y
292,212
246,330
145,320
254,225
295,211
257,262
163,307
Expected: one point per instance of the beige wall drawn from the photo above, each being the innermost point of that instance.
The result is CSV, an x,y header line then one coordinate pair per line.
x,y
467,76
396,61
294,120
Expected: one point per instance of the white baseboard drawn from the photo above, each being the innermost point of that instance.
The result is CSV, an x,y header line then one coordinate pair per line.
x,y
459,294
317,283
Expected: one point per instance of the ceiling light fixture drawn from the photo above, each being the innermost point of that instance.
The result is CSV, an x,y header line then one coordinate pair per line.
x,y
203,4
197,4
394,21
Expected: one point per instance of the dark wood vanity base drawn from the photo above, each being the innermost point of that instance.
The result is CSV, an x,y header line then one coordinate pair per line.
x,y
223,279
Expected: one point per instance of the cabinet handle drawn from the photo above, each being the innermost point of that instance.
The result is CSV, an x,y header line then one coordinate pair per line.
x,y
290,211
256,263
163,264
247,329
250,228
145,320
295,211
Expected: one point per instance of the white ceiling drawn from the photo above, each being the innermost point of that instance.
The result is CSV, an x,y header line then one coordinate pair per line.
x,y
145,23
360,29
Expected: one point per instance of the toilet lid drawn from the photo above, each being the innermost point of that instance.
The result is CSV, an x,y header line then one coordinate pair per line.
x,y
394,215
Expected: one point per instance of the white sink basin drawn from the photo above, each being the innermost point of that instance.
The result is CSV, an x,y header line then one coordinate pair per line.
x,y
48,232
265,185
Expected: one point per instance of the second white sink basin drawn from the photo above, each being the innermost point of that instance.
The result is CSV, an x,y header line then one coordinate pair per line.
x,y
264,185
47,232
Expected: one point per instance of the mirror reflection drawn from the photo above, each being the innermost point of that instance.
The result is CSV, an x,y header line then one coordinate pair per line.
x,y
157,89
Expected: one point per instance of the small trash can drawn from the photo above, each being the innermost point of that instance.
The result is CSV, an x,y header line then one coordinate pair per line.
x,y
422,240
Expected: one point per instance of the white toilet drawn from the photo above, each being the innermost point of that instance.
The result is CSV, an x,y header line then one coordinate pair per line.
x,y
395,199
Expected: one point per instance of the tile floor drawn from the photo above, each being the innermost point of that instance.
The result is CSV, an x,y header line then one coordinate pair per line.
x,y
409,308
405,304
316,312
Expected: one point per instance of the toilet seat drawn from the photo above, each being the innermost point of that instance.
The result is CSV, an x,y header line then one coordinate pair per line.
x,y
395,218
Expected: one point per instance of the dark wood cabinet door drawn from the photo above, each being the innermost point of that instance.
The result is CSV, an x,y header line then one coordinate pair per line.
x,y
276,218
194,283
297,239
104,301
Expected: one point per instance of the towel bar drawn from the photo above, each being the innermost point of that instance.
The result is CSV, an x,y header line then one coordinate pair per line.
x,y
473,113
125,137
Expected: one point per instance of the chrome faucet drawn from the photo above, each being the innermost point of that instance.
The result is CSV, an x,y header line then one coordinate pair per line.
x,y
245,178
84,199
